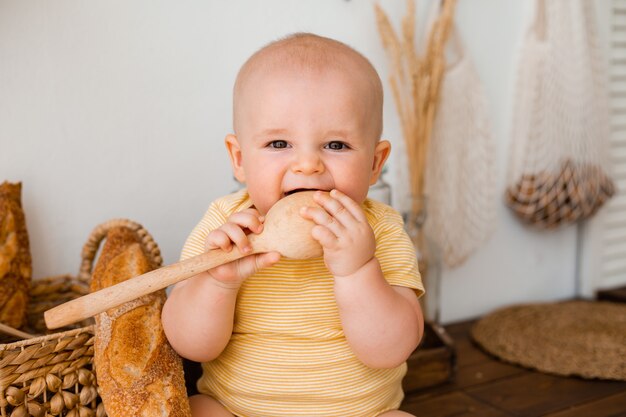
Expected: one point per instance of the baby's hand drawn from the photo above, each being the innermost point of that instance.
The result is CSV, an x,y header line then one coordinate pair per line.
x,y
235,232
342,230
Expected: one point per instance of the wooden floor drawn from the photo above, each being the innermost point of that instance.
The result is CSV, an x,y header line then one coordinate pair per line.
x,y
486,387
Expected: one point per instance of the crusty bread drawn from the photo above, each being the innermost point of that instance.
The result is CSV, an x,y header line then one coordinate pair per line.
x,y
15,259
138,372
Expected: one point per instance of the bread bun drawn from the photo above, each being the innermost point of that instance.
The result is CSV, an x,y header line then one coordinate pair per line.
x,y
15,260
138,372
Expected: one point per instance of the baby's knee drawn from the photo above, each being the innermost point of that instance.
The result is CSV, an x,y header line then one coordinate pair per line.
x,y
205,406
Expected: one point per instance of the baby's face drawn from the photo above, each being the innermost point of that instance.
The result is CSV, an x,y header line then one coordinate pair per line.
x,y
301,130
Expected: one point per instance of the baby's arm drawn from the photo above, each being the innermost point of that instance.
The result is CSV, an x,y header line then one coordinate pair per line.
x,y
198,315
382,323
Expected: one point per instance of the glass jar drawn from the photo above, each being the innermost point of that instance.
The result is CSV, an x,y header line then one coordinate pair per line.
x,y
428,257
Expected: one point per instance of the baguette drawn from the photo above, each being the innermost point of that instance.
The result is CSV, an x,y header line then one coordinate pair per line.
x,y
15,259
138,372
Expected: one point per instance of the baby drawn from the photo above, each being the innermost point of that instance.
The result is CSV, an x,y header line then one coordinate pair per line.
x,y
321,337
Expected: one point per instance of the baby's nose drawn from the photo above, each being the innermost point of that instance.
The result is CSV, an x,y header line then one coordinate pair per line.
x,y
308,163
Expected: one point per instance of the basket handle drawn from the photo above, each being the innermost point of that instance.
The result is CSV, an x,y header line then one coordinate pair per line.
x,y
90,248
12,331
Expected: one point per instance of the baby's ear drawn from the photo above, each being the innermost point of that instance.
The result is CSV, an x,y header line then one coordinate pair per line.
x,y
381,153
236,157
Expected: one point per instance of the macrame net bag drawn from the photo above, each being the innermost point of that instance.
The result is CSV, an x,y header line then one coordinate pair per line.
x,y
460,174
560,126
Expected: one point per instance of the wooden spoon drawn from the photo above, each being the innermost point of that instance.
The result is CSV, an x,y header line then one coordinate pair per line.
x,y
285,231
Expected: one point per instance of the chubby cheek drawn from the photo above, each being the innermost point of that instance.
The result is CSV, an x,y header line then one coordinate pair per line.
x,y
264,190
354,187
262,196
357,195
262,205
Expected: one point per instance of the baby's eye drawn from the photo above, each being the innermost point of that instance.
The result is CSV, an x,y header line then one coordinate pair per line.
x,y
336,145
278,144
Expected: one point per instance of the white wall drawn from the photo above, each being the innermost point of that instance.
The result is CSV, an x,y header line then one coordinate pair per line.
x,y
119,109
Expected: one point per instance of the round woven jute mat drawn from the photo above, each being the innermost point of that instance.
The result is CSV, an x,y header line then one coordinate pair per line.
x,y
582,338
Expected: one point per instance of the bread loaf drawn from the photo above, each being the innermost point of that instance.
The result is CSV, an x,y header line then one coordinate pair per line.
x,y
15,259
138,372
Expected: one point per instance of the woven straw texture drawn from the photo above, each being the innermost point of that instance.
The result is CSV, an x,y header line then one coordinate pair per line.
x,y
53,375
581,338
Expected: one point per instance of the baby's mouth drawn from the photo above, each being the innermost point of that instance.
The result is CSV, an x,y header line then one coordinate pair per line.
x,y
298,190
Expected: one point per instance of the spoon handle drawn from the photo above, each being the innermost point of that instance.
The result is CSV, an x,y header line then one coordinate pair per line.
x,y
91,304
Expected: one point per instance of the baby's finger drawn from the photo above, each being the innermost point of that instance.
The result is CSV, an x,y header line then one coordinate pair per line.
x,y
250,219
265,260
335,208
252,264
218,239
321,217
324,236
237,236
350,205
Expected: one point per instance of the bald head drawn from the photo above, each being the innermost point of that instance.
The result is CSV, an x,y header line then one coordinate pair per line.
x,y
307,53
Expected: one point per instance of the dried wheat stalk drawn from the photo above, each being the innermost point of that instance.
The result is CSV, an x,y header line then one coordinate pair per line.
x,y
415,83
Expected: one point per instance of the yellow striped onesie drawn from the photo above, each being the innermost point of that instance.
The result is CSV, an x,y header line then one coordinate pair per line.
x,y
288,355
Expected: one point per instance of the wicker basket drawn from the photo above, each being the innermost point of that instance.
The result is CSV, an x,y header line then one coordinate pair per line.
x,y
53,375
